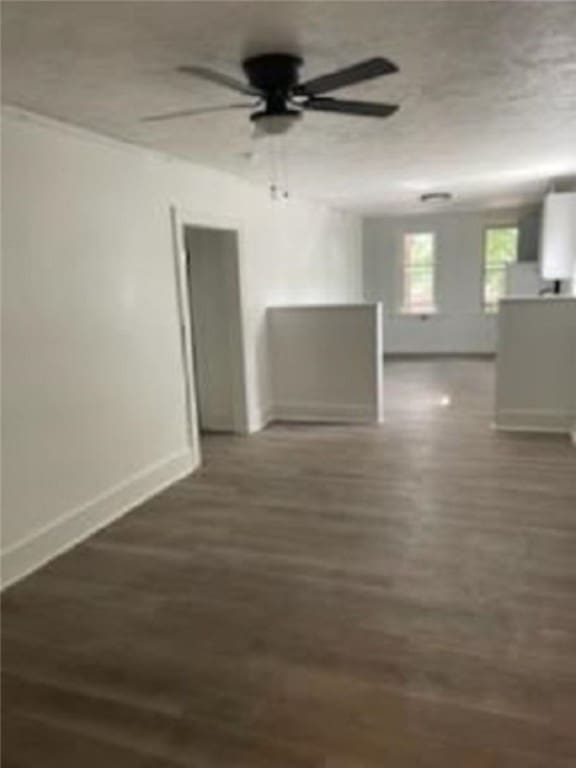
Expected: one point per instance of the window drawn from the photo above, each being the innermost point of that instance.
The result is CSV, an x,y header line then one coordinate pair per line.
x,y
500,249
418,268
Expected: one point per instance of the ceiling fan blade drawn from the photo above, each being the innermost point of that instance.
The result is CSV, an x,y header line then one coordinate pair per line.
x,y
345,107
220,79
357,73
193,112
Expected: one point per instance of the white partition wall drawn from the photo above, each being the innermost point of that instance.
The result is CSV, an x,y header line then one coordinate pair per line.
x,y
536,365
326,363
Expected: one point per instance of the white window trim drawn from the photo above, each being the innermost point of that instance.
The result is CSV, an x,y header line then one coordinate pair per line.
x,y
401,308
493,309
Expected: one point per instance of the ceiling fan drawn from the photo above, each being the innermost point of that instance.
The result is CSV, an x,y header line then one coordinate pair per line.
x,y
273,80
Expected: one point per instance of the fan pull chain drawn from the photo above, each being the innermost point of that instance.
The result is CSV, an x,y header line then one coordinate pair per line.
x,y
274,185
283,166
277,157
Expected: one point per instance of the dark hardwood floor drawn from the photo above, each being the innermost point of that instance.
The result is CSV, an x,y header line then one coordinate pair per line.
x,y
398,596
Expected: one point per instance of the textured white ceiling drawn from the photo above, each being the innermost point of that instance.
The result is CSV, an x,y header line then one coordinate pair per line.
x,y
487,89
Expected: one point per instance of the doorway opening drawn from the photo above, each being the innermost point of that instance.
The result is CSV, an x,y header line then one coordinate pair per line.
x,y
212,340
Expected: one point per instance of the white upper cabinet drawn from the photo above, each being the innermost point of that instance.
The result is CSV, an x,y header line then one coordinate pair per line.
x,y
558,243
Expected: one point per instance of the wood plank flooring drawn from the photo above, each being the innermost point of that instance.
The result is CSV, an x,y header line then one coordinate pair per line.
x,y
396,596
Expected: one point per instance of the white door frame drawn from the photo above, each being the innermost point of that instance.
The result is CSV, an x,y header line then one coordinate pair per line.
x,y
181,218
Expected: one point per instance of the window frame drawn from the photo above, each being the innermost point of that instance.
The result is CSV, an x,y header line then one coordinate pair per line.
x,y
493,309
404,308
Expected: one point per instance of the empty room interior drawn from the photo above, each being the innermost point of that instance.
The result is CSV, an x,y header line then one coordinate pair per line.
x,y
288,384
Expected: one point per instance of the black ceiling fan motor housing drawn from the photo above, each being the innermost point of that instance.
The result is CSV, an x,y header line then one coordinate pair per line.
x,y
275,75
273,72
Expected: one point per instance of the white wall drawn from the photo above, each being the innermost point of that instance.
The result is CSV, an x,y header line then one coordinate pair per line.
x,y
94,406
460,326
536,365
326,363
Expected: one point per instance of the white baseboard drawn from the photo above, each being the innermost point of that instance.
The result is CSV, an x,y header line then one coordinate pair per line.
x,y
422,355
528,420
75,525
266,417
324,412
259,419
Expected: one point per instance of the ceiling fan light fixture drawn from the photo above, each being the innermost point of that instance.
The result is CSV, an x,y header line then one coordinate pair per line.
x,y
436,197
276,124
